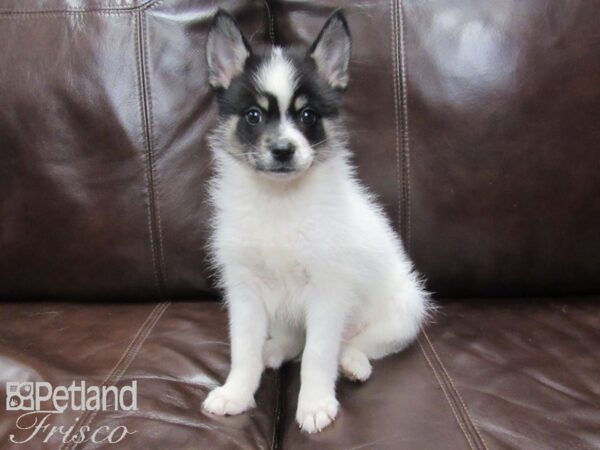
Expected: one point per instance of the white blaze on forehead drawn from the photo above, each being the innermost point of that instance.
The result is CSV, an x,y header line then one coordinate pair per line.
x,y
277,76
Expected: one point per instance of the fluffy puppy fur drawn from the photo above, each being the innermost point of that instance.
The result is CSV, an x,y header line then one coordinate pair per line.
x,y
307,260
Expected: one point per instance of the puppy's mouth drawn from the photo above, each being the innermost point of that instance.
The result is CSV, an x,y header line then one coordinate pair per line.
x,y
282,170
279,169
280,173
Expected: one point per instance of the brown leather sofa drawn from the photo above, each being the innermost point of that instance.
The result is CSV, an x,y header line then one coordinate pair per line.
x,y
475,122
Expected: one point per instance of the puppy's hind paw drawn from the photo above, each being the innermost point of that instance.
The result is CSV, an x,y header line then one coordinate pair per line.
x,y
224,401
313,416
273,354
355,365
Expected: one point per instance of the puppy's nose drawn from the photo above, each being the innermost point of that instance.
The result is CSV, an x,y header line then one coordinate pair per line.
x,y
283,151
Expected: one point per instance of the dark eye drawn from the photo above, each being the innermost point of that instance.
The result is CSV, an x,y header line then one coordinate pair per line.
x,y
253,116
308,116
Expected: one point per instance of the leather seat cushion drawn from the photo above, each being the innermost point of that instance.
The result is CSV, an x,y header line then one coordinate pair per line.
x,y
177,352
503,374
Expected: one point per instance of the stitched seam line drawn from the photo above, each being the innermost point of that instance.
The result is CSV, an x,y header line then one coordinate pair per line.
x,y
113,10
270,22
155,234
394,48
141,96
151,146
152,5
469,418
448,399
122,365
405,135
453,394
277,419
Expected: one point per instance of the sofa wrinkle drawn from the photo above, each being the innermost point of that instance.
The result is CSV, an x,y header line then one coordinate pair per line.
x,y
558,387
162,417
505,399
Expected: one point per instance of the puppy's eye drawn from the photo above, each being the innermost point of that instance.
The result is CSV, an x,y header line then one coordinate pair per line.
x,y
253,116
308,116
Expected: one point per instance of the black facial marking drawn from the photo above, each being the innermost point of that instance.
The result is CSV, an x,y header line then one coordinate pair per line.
x,y
242,94
320,97
273,112
323,98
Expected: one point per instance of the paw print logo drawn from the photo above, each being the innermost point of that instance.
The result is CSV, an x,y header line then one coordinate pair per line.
x,y
19,396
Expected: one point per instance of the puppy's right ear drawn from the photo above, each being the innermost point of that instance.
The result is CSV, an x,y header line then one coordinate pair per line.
x,y
226,50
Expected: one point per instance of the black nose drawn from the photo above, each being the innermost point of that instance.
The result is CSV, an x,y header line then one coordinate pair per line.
x,y
283,151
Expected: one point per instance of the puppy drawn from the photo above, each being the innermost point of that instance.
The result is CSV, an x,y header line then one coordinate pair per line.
x,y
307,260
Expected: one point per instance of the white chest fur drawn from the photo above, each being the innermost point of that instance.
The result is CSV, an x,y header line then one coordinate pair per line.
x,y
287,237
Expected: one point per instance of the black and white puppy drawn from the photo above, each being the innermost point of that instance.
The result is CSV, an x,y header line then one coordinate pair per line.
x,y
307,260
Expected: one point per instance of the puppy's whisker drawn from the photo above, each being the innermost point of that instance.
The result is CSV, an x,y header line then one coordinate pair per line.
x,y
320,142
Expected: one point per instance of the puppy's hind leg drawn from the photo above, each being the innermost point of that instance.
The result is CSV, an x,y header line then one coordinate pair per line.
x,y
285,342
354,364
388,333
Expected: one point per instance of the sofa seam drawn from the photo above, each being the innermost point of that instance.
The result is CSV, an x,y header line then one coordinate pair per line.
x,y
59,14
100,11
458,419
270,22
151,150
405,132
456,392
277,425
395,86
123,363
140,87
277,418
153,217
152,5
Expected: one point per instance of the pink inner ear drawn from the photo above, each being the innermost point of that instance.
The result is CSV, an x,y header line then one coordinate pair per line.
x,y
226,73
228,55
331,58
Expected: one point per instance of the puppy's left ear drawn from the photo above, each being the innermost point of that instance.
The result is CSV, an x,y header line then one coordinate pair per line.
x,y
226,50
331,50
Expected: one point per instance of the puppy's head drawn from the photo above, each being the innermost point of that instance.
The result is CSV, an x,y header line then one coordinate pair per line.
x,y
279,108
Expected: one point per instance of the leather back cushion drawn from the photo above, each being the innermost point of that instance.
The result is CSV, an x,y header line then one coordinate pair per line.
x,y
477,125
104,112
504,160
474,122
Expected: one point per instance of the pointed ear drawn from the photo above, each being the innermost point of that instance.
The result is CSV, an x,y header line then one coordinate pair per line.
x,y
226,50
331,50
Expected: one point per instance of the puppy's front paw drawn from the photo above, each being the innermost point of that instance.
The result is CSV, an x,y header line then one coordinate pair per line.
x,y
314,415
355,365
226,401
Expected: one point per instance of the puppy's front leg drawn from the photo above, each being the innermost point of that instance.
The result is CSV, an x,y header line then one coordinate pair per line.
x,y
317,405
248,331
